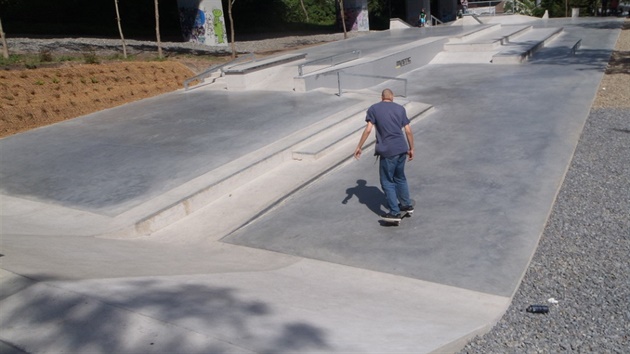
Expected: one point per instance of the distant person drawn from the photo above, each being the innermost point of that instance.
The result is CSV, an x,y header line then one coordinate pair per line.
x,y
422,20
465,6
390,119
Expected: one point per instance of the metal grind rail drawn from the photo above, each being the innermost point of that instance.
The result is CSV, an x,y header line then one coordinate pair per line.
x,y
331,60
202,76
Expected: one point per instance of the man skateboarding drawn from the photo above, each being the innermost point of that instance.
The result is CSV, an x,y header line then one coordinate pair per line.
x,y
390,119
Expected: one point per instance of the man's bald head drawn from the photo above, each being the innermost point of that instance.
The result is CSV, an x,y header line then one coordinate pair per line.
x,y
387,95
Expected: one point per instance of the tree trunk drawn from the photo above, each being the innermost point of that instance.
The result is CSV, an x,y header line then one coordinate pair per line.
x,y
230,3
5,49
304,9
122,38
343,20
157,30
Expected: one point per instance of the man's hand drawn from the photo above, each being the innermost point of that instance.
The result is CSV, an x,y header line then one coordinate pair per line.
x,y
357,153
410,154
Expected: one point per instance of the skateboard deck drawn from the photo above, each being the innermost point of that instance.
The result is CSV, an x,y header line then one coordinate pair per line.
x,y
405,214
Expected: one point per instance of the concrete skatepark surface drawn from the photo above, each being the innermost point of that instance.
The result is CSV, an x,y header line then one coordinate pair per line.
x,y
313,273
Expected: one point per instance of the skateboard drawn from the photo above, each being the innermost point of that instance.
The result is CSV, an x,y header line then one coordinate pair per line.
x,y
404,214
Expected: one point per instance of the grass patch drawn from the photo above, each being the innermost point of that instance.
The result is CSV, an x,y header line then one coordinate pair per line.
x,y
45,56
90,57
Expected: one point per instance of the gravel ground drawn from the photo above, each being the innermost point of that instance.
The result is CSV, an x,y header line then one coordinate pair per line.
x,y
582,257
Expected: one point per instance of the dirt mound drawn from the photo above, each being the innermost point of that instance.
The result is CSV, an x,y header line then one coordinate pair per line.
x,y
38,97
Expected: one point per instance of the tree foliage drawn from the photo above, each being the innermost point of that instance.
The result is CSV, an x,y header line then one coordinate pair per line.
x,y
523,7
562,8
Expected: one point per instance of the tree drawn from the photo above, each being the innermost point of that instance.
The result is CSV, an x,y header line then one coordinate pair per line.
x,y
343,20
523,7
5,49
230,3
560,8
304,8
124,45
157,30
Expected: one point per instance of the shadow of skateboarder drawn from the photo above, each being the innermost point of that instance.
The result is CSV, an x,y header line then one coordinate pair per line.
x,y
370,196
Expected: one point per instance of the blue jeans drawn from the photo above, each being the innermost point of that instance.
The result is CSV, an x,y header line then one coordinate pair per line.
x,y
394,182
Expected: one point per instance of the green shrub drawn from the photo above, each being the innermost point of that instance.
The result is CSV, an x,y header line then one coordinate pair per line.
x,y
45,56
90,57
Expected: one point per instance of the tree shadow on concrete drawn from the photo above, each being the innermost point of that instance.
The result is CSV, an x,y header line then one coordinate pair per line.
x,y
139,316
372,197
591,59
604,25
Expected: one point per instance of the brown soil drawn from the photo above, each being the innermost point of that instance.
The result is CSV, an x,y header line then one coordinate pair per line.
x,y
38,97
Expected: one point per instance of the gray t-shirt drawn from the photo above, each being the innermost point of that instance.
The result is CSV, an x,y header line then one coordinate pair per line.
x,y
389,118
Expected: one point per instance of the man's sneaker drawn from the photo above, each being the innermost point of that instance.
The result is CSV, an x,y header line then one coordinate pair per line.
x,y
406,209
391,218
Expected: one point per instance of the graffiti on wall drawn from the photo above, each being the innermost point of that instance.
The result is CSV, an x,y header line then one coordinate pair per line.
x,y
202,22
356,15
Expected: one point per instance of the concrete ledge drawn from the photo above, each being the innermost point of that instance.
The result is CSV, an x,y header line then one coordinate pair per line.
x,y
250,75
393,62
249,67
474,34
396,23
492,42
517,52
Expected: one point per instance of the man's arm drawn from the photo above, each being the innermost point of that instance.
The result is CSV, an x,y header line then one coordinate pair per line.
x,y
409,134
364,136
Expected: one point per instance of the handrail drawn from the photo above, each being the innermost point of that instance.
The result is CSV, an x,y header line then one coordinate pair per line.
x,y
340,72
202,76
356,54
435,21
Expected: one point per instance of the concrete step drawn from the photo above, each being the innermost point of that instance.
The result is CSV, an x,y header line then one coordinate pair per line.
x,y
336,135
560,48
488,41
525,46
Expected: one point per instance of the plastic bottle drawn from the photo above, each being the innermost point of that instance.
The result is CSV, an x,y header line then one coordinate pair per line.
x,y
537,309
